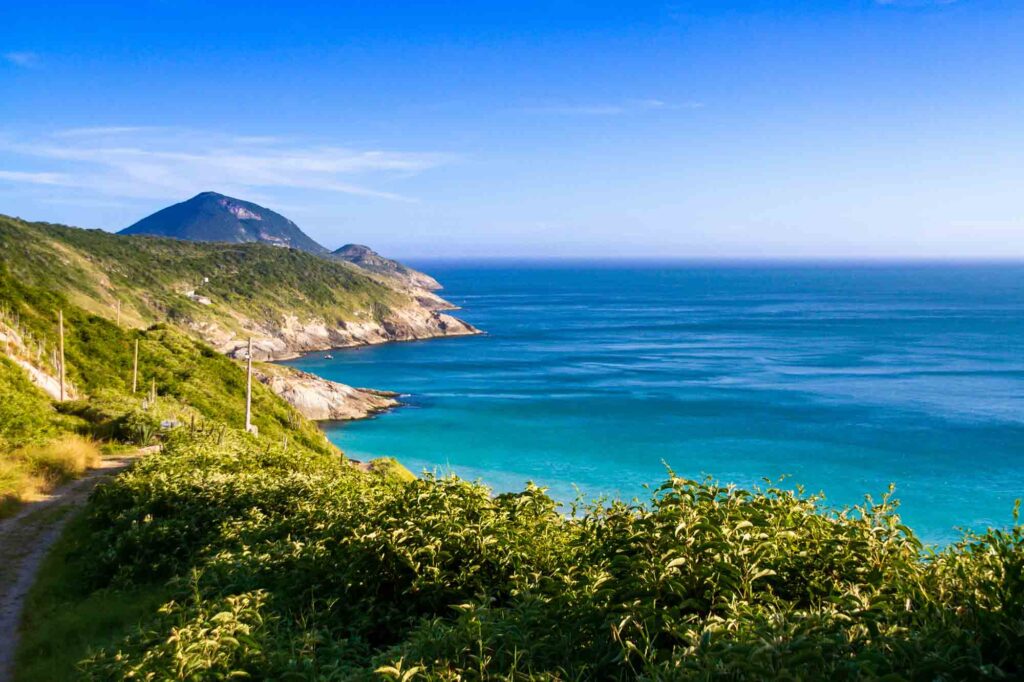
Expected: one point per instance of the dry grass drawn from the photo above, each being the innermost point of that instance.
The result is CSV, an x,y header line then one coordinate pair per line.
x,y
17,484
62,459
36,469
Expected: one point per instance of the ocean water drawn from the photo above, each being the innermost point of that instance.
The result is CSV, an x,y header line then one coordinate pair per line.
x,y
593,378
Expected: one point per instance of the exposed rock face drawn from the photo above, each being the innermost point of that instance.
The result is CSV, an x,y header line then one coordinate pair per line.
x,y
368,259
12,345
49,384
291,336
320,399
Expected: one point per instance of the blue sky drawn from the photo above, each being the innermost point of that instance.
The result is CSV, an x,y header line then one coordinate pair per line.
x,y
817,128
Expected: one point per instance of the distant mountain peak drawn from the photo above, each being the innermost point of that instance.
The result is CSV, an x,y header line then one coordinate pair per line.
x,y
215,217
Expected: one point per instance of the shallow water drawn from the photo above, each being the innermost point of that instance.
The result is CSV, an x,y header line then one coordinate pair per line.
x,y
596,377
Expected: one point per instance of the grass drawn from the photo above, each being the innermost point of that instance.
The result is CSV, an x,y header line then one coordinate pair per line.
x,y
17,484
36,452
61,459
263,284
33,470
64,619
196,387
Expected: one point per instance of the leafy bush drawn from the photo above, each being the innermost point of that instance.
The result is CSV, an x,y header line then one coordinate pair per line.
x,y
289,563
26,413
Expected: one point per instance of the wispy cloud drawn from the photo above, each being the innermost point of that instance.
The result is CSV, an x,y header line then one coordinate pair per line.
x,y
151,162
612,109
34,178
26,60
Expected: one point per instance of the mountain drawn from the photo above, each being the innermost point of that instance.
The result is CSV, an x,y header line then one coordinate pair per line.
x,y
288,301
213,217
368,259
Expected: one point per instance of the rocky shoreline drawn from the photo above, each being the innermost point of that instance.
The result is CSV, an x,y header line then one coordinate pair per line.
x,y
320,399
291,337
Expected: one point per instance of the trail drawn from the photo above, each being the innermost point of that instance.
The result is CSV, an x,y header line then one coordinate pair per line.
x,y
26,537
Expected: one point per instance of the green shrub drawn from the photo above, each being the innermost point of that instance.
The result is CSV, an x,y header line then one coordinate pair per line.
x,y
26,413
290,563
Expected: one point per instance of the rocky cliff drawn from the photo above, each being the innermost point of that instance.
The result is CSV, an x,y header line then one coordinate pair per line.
x,y
291,336
370,260
320,399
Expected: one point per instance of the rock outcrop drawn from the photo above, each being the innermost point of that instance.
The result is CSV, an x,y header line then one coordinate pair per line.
x,y
320,399
370,260
292,336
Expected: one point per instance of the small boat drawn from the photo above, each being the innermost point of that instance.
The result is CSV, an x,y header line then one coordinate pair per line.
x,y
328,357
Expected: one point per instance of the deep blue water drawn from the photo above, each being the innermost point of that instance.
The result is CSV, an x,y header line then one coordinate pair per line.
x,y
844,377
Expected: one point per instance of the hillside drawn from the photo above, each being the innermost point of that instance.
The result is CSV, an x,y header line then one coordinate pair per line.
x,y
213,217
368,259
288,300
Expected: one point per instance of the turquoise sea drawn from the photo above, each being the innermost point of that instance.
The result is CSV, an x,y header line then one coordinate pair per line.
x,y
596,376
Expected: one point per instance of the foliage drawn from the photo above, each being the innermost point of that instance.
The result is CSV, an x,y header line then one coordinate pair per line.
x,y
192,380
196,387
26,414
281,564
148,276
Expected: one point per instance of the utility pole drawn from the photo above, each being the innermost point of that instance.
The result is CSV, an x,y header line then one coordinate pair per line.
x,y
135,368
249,386
248,389
60,328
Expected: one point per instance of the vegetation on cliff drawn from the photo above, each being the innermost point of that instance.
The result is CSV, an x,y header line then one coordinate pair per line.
x,y
193,385
148,275
236,289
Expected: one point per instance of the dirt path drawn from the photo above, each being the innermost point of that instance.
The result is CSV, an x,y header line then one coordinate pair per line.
x,y
26,537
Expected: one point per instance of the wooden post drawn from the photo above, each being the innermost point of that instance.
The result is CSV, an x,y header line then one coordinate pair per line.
x,y
135,368
60,328
248,389
118,312
152,392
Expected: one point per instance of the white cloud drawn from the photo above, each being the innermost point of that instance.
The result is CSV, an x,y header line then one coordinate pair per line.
x,y
151,162
33,178
25,60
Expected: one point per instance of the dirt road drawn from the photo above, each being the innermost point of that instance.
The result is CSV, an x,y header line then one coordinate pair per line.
x,y
26,537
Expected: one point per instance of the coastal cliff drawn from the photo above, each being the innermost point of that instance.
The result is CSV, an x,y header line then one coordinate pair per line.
x,y
287,300
291,336
320,399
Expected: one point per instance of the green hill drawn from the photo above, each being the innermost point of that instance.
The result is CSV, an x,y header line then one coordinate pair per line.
x,y
288,300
